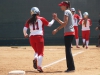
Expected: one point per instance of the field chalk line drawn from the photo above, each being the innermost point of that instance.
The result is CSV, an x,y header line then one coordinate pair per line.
x,y
61,60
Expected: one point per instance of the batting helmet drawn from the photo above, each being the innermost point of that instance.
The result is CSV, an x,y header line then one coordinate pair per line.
x,y
35,10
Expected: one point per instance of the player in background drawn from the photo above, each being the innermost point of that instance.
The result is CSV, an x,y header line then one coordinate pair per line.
x,y
76,19
98,28
86,23
36,25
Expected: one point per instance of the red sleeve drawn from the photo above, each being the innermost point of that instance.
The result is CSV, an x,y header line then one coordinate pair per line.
x,y
44,21
90,22
80,22
27,24
78,17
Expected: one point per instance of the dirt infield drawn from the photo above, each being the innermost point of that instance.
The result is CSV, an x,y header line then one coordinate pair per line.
x,y
20,58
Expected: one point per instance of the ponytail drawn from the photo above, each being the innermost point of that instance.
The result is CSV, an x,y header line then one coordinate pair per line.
x,y
85,22
33,19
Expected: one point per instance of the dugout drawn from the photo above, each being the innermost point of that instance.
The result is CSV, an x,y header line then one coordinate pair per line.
x,y
14,13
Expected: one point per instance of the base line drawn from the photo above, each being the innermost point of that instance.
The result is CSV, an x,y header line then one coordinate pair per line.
x,y
60,60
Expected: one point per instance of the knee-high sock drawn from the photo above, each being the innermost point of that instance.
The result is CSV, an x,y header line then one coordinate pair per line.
x,y
40,58
77,42
87,43
83,41
35,56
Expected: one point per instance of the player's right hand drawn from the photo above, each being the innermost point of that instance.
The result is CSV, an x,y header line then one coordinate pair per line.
x,y
26,36
54,16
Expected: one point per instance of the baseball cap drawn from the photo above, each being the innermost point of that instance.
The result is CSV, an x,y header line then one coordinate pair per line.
x,y
72,9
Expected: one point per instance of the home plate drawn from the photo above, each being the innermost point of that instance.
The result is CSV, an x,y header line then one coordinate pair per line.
x,y
16,72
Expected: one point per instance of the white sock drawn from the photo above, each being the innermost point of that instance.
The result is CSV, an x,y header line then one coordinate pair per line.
x,y
84,41
77,42
87,43
35,56
40,58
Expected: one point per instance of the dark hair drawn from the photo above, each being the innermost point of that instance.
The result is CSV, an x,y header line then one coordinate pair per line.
x,y
67,2
33,19
99,21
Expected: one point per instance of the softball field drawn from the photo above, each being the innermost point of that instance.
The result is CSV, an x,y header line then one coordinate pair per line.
x,y
87,62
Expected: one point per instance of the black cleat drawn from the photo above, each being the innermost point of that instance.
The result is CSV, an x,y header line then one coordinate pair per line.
x,y
69,70
35,63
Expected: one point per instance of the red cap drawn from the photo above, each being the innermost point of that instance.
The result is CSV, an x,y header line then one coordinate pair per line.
x,y
63,4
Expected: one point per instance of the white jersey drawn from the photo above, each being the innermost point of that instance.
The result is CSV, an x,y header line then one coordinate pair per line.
x,y
76,18
86,26
38,27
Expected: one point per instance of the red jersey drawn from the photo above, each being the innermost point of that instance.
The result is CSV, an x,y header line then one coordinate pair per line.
x,y
38,27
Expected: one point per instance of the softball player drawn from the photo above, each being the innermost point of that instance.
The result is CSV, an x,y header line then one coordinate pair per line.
x,y
98,28
86,23
76,18
69,33
36,25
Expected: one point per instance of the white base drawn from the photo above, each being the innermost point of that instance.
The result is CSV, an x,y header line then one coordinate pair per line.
x,y
16,72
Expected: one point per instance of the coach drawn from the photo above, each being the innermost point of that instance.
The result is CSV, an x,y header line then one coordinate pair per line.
x,y
69,33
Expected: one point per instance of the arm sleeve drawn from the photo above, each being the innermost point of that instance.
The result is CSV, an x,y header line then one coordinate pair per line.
x,y
27,24
51,22
66,13
46,23
78,17
90,22
80,22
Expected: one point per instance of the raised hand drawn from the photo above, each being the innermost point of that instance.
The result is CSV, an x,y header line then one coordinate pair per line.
x,y
79,11
54,15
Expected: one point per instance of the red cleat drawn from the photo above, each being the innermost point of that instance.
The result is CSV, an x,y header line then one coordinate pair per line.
x,y
77,47
39,69
86,47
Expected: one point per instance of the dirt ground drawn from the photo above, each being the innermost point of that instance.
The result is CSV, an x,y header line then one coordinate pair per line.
x,y
87,63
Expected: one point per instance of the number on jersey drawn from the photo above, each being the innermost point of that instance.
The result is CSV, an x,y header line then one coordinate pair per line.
x,y
35,26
